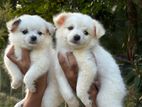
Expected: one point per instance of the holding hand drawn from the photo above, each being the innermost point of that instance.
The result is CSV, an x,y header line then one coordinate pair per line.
x,y
24,63
31,99
70,69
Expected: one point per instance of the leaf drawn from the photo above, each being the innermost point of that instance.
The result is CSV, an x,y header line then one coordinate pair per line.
x,y
137,82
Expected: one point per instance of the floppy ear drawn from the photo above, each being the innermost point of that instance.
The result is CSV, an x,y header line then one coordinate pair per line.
x,y
50,29
13,25
60,19
98,29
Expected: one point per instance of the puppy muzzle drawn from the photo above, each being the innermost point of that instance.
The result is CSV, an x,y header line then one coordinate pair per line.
x,y
33,40
76,39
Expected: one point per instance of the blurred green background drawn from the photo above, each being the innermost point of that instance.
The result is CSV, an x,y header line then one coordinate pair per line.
x,y
122,20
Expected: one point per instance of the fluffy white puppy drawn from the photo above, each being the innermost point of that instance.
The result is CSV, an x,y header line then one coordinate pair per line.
x,y
73,35
80,33
34,33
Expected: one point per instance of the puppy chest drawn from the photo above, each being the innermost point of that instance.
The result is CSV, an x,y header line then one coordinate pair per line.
x,y
38,56
85,61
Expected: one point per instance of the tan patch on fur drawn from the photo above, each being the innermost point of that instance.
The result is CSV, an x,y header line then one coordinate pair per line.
x,y
95,31
47,31
15,25
61,20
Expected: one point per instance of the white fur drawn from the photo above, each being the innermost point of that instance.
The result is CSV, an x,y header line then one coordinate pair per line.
x,y
41,56
112,90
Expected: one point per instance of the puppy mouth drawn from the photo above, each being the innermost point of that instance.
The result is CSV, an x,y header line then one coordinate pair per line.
x,y
32,43
72,42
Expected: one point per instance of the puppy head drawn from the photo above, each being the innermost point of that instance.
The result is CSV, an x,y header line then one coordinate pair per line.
x,y
29,31
77,29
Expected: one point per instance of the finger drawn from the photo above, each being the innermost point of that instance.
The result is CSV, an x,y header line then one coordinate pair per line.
x,y
13,59
92,87
11,56
94,104
63,62
72,61
41,83
97,84
25,55
10,52
61,58
93,94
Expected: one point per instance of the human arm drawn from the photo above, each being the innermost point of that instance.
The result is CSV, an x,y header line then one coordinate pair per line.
x,y
24,63
71,72
32,99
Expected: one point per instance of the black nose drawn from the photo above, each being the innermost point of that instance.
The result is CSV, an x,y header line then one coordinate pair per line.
x,y
33,38
76,38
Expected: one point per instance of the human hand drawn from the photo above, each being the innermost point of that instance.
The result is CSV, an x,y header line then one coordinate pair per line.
x,y
35,99
70,69
93,92
31,99
22,64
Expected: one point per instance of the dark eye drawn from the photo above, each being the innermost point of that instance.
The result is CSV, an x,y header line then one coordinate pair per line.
x,y
85,32
25,31
70,28
40,33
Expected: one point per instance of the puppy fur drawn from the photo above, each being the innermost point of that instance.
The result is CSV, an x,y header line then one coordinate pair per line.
x,y
80,33
34,33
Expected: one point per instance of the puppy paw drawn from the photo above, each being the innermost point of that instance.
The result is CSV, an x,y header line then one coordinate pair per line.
x,y
31,88
85,99
88,103
72,101
18,105
16,84
73,104
29,84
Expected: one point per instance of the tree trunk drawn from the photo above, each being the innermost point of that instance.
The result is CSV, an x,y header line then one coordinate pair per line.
x,y
132,30
14,3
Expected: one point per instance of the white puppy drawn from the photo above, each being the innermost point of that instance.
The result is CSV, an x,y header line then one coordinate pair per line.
x,y
34,33
80,33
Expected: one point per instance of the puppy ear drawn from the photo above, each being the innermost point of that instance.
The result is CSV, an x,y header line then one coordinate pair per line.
x,y
50,29
13,25
98,29
60,19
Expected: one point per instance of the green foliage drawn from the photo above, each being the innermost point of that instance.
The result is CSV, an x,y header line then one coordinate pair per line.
x,y
121,18
7,101
133,78
5,14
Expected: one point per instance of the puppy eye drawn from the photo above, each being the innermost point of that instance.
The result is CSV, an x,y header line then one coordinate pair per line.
x,y
25,31
70,28
40,33
85,32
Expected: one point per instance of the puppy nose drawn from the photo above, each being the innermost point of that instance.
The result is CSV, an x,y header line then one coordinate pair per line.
x,y
76,37
33,38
